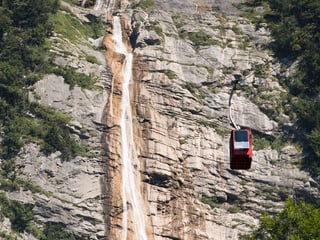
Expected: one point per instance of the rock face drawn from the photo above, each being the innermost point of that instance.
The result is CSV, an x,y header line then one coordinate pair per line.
x,y
181,93
71,193
185,55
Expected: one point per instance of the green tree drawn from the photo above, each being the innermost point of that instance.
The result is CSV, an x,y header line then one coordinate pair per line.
x,y
296,222
295,28
57,231
20,214
314,138
24,28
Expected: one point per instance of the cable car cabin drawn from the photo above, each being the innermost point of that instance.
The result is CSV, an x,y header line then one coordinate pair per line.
x,y
240,149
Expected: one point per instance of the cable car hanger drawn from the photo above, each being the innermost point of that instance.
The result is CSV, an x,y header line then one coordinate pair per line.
x,y
240,144
240,139
237,77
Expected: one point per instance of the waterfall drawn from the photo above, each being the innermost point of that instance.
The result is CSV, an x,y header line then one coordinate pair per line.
x,y
97,6
110,6
130,184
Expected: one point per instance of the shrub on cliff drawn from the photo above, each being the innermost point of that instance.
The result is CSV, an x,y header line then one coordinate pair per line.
x,y
24,29
295,27
297,221
144,4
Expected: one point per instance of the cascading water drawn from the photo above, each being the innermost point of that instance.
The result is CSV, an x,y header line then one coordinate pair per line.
x,y
130,185
97,6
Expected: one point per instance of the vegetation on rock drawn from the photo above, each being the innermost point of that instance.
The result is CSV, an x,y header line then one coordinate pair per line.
x,y
25,27
69,26
296,221
198,38
20,214
24,30
144,4
294,26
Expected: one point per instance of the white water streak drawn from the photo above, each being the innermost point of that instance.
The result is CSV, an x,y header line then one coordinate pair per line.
x,y
130,186
110,7
97,6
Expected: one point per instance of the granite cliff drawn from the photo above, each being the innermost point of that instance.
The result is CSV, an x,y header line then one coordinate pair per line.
x,y
185,56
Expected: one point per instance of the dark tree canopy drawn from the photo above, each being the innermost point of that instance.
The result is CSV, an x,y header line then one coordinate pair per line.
x,y
24,29
295,27
297,221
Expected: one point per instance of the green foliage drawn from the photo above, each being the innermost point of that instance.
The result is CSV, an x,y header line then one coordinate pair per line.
x,y
297,221
68,25
49,114
35,231
58,139
170,74
21,218
295,27
54,132
10,182
5,236
155,26
25,26
314,139
190,86
278,143
19,214
144,4
234,209
22,62
92,59
260,70
22,215
73,78
198,38
48,129
195,90
211,201
7,169
260,143
27,185
236,30
57,231
244,44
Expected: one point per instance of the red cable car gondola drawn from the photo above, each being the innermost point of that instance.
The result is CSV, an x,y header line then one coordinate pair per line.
x,y
240,139
240,149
